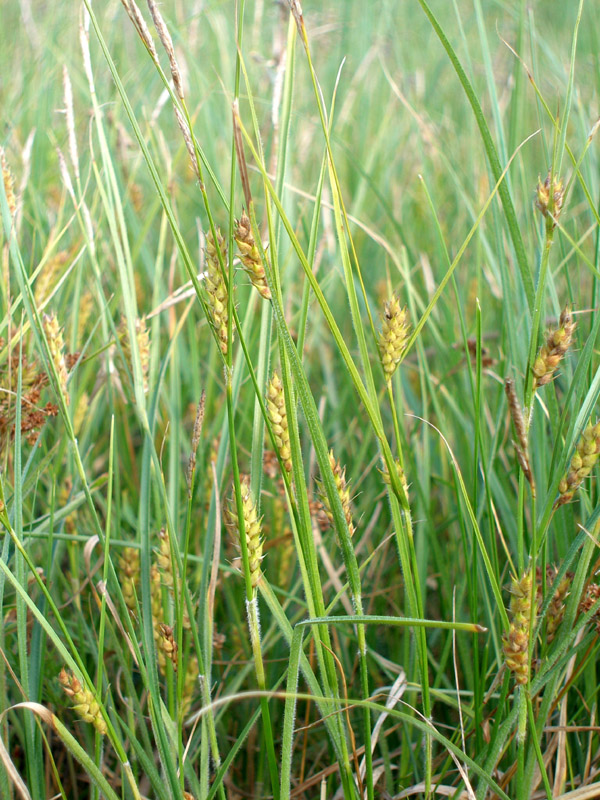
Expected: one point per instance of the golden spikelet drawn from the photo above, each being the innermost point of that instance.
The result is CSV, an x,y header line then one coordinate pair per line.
x,y
143,343
216,288
81,410
516,641
278,416
252,528
394,335
583,461
250,255
163,558
56,344
85,704
399,471
343,490
190,683
554,348
47,277
129,569
9,184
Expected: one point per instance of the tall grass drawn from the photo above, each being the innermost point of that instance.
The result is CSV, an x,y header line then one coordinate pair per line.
x,y
298,430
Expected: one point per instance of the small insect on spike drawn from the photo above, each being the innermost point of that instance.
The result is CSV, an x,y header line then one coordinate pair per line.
x,y
554,348
250,256
394,335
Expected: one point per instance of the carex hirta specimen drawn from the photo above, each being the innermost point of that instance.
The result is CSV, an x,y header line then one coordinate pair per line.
x,y
250,255
394,335
558,341
216,287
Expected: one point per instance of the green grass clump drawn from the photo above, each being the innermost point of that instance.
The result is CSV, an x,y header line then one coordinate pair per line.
x,y
298,422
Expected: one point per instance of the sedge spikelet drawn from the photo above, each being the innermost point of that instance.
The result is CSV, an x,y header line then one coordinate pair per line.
x,y
47,277
167,646
549,197
554,348
394,335
556,609
190,682
343,490
252,528
85,704
216,288
399,471
278,416
583,461
56,344
516,641
143,343
521,444
129,570
163,558
250,255
9,184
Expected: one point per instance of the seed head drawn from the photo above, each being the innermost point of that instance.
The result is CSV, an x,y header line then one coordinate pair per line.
x,y
9,184
250,255
279,421
394,335
554,348
343,490
85,704
216,288
252,527
129,567
56,344
516,641
583,461
549,197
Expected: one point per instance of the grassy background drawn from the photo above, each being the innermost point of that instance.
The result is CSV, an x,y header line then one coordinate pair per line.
x,y
415,179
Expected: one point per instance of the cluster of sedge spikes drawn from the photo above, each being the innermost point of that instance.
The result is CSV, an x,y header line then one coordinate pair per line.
x,y
33,381
516,641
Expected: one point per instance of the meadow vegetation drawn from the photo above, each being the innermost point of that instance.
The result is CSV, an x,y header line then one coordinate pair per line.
x,y
299,375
